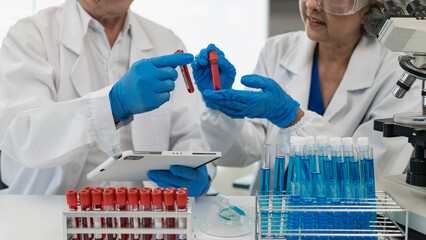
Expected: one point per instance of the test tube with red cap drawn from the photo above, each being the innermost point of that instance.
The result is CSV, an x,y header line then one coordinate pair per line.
x,y
85,205
182,202
97,206
215,69
157,206
145,205
186,76
109,205
73,206
121,205
169,206
133,199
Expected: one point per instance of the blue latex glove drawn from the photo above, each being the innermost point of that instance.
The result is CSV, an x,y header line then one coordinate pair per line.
x,y
272,102
195,180
146,85
202,73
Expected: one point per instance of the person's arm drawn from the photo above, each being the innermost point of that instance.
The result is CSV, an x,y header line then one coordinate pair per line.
x,y
35,127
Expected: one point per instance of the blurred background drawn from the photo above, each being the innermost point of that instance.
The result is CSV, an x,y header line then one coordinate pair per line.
x,y
238,27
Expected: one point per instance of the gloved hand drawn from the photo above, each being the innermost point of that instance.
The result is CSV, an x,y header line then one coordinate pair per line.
x,y
272,103
201,70
195,180
146,85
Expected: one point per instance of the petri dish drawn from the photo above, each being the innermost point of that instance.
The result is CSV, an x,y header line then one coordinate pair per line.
x,y
230,224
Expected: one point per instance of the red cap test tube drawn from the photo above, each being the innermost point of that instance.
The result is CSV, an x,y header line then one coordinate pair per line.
x,y
186,76
73,206
215,69
169,206
182,203
121,205
86,205
109,199
145,205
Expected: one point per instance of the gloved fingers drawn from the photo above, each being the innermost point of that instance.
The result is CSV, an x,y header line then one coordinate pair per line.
x,y
160,177
165,73
165,184
162,98
228,94
172,60
163,86
257,81
212,47
185,172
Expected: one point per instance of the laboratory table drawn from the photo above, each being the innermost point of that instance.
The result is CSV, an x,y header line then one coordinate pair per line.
x,y
38,217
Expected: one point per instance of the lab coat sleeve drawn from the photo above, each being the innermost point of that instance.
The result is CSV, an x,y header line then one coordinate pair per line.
x,y
35,129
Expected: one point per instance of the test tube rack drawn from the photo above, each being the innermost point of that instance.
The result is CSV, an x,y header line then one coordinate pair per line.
x,y
273,211
68,216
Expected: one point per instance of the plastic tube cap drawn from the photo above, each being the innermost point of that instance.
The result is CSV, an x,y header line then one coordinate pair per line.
x,y
362,141
159,189
347,141
335,141
134,189
321,140
99,189
157,198
212,56
133,197
97,197
71,197
169,198
121,197
309,140
182,189
88,189
111,189
170,189
85,198
122,189
145,197
181,198
147,189
109,198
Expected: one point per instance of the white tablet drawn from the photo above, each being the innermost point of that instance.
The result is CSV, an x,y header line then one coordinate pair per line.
x,y
134,165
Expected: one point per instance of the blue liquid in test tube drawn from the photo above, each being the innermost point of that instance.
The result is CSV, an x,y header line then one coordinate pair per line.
x,y
265,183
349,184
294,217
279,186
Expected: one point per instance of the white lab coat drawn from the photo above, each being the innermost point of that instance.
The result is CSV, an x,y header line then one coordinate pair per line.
x,y
363,95
51,116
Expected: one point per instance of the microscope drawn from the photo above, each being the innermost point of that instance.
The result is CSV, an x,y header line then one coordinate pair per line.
x,y
406,32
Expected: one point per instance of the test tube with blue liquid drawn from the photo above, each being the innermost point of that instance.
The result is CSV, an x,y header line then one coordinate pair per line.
x,y
308,162
290,168
350,185
265,179
319,187
294,218
279,186
340,176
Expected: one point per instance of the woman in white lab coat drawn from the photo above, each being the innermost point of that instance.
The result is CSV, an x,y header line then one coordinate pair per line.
x,y
57,71
333,79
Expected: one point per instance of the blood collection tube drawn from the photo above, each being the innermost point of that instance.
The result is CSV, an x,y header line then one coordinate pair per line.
x,y
121,205
111,189
157,206
169,206
72,205
97,206
133,199
145,205
215,69
90,189
109,205
186,76
101,189
182,202
85,205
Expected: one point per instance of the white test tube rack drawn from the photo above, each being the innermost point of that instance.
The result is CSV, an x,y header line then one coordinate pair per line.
x,y
268,226
189,215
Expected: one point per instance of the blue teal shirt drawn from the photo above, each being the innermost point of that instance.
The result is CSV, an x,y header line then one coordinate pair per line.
x,y
315,98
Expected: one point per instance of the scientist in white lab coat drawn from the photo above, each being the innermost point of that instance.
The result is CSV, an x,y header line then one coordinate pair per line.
x,y
74,90
333,79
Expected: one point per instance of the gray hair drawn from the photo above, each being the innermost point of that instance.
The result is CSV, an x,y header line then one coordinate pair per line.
x,y
374,17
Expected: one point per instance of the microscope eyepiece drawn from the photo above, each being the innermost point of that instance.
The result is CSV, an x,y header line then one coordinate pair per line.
x,y
389,8
417,9
403,85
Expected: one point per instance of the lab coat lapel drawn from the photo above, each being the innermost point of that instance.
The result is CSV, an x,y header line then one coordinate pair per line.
x,y
299,63
71,38
357,78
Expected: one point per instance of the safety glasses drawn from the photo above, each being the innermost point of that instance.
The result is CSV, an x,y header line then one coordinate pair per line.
x,y
341,7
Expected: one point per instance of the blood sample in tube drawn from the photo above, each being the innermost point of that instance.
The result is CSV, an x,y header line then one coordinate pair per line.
x,y
121,205
157,206
145,205
133,199
215,69
109,205
72,205
85,205
186,76
169,206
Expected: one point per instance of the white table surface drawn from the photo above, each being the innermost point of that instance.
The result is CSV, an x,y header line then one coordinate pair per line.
x,y
40,217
